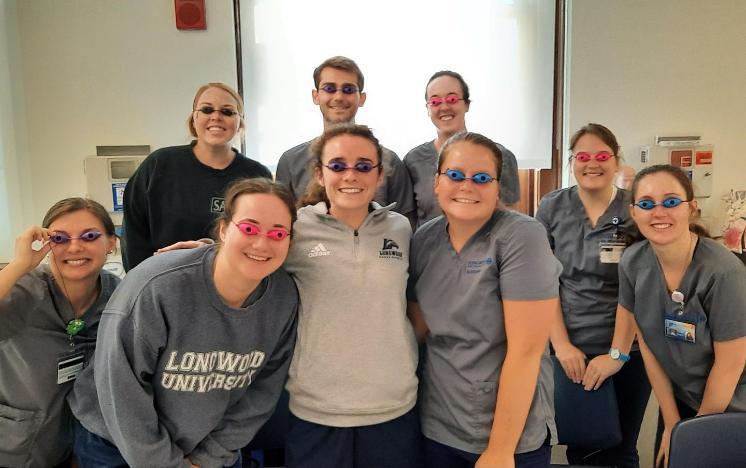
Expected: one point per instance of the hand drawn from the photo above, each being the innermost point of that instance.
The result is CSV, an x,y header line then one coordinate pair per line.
x,y
572,360
599,369
26,258
662,458
192,244
493,459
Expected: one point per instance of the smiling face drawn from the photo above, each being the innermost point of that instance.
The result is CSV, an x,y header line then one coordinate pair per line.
x,y
662,226
465,201
593,175
79,260
447,118
251,258
350,191
337,107
216,129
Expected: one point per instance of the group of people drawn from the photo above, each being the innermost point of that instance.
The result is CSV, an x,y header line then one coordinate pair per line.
x,y
183,362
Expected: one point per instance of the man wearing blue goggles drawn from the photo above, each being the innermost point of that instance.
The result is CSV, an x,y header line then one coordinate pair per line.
x,y
338,93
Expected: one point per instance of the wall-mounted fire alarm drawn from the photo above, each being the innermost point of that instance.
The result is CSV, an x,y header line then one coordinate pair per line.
x,y
190,14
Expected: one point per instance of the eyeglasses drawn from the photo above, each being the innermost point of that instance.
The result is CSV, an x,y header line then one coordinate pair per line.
x,y
584,156
226,111
437,101
360,166
251,229
332,88
670,202
480,178
62,238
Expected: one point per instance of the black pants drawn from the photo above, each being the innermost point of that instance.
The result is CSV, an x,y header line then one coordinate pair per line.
x,y
438,455
391,444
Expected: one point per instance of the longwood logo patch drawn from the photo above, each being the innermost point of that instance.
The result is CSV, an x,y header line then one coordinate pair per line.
x,y
390,249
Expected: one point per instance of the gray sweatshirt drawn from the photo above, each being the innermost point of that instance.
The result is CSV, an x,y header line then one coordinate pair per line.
x,y
177,372
355,361
35,422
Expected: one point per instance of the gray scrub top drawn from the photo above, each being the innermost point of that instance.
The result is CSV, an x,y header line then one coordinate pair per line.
x,y
461,297
714,288
588,288
293,171
35,421
422,164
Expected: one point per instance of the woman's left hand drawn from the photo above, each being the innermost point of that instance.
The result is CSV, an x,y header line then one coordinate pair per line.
x,y
661,458
492,459
599,369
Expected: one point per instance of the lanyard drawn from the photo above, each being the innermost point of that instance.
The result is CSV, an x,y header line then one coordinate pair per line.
x,y
74,327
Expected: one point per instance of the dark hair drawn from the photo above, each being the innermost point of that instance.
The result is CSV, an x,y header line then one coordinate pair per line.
x,y
477,139
452,74
234,94
254,185
340,63
682,179
601,132
71,205
315,191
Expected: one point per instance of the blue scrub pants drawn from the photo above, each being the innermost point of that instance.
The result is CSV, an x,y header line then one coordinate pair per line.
x,y
92,451
439,455
392,444
632,389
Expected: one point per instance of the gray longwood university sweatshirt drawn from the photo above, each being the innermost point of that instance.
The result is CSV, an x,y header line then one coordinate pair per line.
x,y
180,374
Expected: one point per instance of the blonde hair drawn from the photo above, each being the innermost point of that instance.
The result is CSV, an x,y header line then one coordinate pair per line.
x,y
234,94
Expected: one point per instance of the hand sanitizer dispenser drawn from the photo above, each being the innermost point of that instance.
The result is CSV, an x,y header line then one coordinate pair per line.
x,y
106,177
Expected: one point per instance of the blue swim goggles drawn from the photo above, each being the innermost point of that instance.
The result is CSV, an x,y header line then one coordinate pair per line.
x,y
458,176
670,202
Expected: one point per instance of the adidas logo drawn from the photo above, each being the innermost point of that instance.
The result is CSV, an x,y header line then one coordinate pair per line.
x,y
318,251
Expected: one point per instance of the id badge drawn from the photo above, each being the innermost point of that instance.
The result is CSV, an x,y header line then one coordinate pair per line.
x,y
610,251
69,367
680,330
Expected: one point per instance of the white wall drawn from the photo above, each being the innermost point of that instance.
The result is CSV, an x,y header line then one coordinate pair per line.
x,y
98,72
15,201
647,67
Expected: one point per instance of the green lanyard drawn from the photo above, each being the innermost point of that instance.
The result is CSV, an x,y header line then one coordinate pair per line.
x,y
74,327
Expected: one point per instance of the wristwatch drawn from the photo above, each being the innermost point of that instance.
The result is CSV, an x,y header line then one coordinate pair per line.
x,y
618,355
